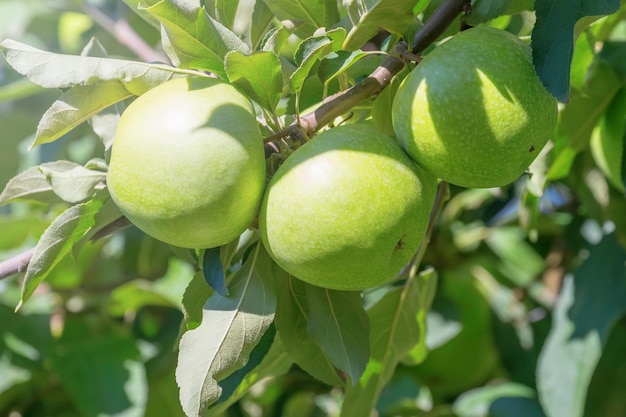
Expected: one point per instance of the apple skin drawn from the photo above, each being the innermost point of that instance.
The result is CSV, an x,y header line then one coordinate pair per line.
x,y
346,210
187,163
474,112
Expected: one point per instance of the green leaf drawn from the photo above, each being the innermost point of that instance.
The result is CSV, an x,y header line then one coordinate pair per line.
x,y
50,70
607,140
275,363
32,184
75,106
259,75
193,39
519,261
507,399
226,11
485,10
578,119
427,287
132,296
103,374
553,38
108,216
53,182
606,390
306,15
581,61
589,304
395,331
105,123
234,380
74,185
393,15
338,62
231,327
139,7
310,51
262,17
194,298
339,325
292,316
57,241
213,271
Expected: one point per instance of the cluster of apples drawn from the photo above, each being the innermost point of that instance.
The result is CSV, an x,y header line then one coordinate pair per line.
x,y
348,209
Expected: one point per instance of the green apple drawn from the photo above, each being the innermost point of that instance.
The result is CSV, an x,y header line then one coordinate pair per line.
x,y
474,112
187,163
347,210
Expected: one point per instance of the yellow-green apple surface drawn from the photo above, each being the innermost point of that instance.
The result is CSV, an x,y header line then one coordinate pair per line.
x,y
187,163
347,210
474,112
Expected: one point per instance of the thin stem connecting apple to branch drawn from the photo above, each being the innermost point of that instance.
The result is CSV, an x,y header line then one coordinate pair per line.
x,y
333,107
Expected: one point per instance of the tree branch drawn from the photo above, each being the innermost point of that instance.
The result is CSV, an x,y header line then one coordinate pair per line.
x,y
18,263
340,103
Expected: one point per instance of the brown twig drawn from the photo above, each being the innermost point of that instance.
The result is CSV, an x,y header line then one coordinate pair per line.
x,y
125,35
18,263
310,123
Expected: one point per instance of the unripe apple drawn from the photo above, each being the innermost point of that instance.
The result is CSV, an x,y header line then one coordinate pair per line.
x,y
474,112
187,163
347,210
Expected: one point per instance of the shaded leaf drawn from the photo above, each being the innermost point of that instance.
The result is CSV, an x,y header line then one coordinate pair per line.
x,y
114,384
230,329
292,316
339,325
591,301
259,75
393,15
50,70
553,38
485,10
57,241
338,62
77,105
193,39
213,271
394,332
